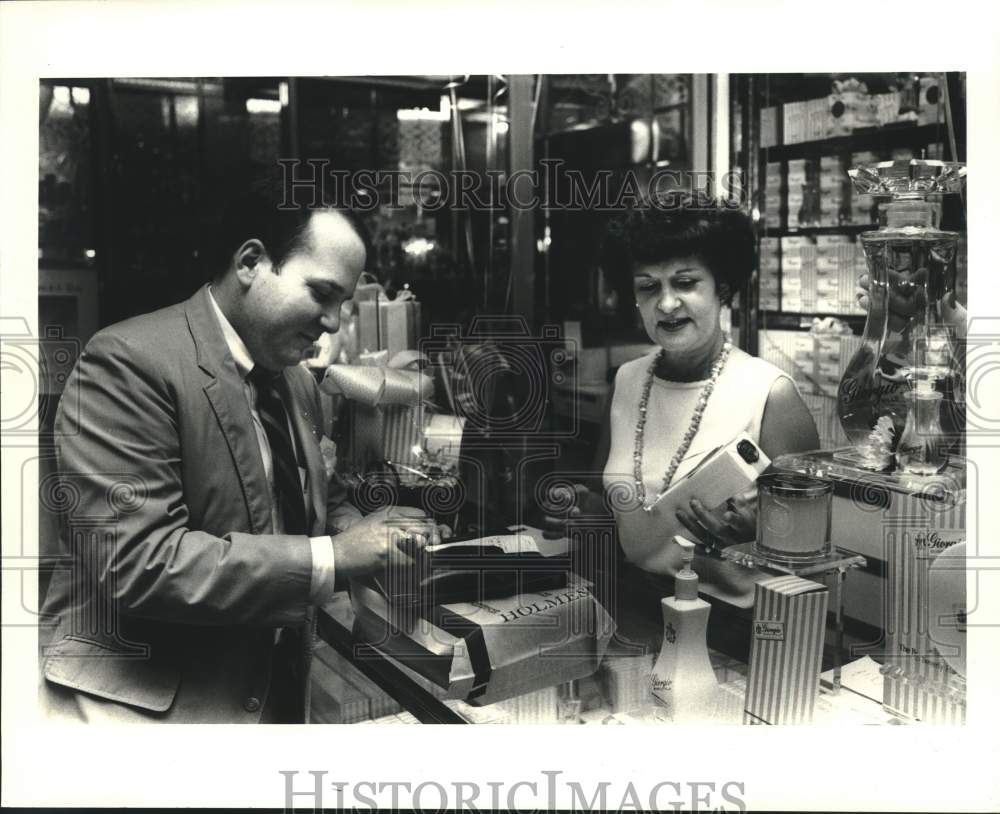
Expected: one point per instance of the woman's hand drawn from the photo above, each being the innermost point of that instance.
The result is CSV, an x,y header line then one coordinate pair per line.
x,y
735,521
901,308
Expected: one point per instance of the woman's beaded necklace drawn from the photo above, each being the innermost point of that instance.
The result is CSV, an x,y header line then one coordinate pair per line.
x,y
692,430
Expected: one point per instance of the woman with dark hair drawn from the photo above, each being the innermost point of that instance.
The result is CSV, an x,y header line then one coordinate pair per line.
x,y
685,256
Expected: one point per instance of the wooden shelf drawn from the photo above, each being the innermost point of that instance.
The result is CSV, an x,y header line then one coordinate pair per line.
x,y
890,137
796,321
813,231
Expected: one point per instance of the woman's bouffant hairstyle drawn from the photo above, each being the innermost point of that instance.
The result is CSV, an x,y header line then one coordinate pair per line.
x,y
682,224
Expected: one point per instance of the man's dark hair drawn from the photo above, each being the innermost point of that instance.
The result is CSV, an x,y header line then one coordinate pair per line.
x,y
681,224
259,209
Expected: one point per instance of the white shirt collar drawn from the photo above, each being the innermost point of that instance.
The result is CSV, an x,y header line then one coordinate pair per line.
x,y
238,349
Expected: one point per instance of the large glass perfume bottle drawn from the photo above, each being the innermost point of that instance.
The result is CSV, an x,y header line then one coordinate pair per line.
x,y
908,349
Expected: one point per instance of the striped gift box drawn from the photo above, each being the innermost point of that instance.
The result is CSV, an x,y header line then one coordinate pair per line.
x,y
404,434
918,681
393,432
786,651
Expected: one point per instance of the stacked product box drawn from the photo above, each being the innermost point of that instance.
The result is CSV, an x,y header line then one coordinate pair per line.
x,y
791,351
833,191
819,122
831,355
625,681
795,121
798,182
802,350
770,274
798,274
886,107
824,412
776,346
851,254
834,274
849,280
827,359
809,120
860,267
815,362
769,127
772,195
861,205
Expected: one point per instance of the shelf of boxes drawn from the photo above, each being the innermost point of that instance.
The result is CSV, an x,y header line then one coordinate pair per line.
x,y
928,137
851,119
811,220
816,363
810,255
769,287
810,274
814,195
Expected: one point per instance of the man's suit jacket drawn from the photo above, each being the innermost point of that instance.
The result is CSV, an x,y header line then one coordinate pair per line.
x,y
173,582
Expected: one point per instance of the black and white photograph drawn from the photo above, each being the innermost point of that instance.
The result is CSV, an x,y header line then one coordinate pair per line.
x,y
341,400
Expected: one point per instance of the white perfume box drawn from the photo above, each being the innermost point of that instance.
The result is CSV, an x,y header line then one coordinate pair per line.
x,y
726,471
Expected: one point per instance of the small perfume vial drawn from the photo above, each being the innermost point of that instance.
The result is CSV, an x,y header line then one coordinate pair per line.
x,y
569,706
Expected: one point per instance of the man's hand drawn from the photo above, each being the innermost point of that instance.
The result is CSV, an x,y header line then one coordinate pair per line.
x,y
735,521
386,538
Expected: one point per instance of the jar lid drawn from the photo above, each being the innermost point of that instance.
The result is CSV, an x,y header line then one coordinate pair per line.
x,y
794,484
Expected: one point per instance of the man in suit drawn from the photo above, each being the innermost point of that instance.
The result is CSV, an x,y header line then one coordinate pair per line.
x,y
200,525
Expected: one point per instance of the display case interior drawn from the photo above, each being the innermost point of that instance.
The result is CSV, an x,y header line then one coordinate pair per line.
x,y
794,138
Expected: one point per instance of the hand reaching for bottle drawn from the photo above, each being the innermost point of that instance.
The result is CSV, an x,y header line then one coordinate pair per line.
x,y
903,307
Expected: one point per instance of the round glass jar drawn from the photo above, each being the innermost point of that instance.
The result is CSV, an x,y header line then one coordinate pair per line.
x,y
794,513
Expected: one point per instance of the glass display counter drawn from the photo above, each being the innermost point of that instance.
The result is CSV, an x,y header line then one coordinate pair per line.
x,y
356,682
361,686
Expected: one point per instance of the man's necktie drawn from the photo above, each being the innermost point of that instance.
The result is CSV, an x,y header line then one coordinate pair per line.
x,y
269,386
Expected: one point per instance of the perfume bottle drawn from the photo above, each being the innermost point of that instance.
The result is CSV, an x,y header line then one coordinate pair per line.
x,y
907,338
683,682
921,448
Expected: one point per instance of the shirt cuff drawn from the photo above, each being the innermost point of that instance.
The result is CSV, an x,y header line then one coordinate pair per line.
x,y
321,585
